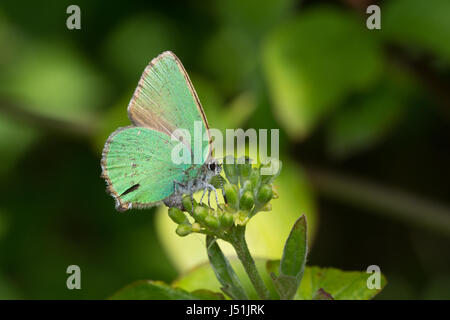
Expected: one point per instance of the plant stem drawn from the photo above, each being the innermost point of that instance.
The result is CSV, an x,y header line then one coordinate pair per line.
x,y
40,121
240,246
383,200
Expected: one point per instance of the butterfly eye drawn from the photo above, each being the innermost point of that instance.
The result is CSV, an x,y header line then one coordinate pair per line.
x,y
212,166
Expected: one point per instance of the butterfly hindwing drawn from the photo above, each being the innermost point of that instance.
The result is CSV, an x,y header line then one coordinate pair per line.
x,y
165,100
138,168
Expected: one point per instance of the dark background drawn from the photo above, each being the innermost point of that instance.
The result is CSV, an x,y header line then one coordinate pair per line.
x,y
364,113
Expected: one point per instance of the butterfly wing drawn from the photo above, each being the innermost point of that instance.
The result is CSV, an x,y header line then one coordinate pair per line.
x,y
138,168
165,100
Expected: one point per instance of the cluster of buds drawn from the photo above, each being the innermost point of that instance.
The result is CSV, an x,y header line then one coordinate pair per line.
x,y
245,191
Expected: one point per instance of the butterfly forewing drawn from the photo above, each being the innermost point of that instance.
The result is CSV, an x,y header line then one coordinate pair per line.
x,y
165,100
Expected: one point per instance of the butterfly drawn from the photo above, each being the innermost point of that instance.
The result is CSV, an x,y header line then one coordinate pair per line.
x,y
137,161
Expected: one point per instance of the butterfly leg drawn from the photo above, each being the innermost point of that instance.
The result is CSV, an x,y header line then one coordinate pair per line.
x,y
177,185
217,197
209,198
210,188
203,194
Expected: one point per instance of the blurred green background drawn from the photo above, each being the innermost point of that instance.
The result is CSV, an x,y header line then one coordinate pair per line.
x,y
363,114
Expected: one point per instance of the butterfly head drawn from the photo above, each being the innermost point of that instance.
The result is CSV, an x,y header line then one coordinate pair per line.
x,y
213,167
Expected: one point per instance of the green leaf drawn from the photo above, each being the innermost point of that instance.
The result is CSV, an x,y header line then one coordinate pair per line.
x,y
419,24
314,61
341,285
224,272
295,250
293,261
157,290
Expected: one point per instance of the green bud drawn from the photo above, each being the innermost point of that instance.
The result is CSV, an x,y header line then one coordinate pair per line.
x,y
247,186
267,207
183,230
187,203
275,193
231,193
212,222
196,227
254,178
226,220
200,213
247,201
265,193
241,218
230,169
244,170
177,216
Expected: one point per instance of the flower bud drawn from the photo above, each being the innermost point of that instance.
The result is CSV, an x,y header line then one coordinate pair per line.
x,y
276,195
200,213
241,218
265,193
230,169
187,203
247,201
267,207
226,220
247,186
177,216
196,227
245,169
254,178
212,222
183,230
231,194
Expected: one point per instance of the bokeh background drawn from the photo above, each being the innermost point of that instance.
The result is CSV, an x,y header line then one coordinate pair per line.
x,y
364,128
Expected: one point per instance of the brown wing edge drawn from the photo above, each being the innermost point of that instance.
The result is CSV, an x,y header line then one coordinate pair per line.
x,y
197,100
120,205
188,81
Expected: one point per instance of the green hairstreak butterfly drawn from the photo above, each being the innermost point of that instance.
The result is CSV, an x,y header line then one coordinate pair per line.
x,y
137,161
